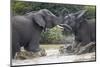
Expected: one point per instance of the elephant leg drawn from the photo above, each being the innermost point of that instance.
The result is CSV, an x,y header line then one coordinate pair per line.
x,y
34,48
15,42
15,49
33,45
13,53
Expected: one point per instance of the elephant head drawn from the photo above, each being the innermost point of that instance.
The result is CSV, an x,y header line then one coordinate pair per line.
x,y
73,21
45,18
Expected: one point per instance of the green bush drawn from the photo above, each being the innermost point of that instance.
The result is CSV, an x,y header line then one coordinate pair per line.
x,y
91,11
53,35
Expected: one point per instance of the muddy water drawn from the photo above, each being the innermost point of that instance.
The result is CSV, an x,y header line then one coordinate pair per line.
x,y
53,56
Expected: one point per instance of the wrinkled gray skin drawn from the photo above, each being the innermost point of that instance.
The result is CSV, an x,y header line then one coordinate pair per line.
x,y
26,29
84,30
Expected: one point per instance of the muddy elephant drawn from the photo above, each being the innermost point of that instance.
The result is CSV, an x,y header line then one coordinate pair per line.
x,y
26,29
83,29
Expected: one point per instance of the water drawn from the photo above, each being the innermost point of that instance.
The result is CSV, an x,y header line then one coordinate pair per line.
x,y
53,56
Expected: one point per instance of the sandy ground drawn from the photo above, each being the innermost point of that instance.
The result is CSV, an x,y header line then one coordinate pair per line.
x,y
53,56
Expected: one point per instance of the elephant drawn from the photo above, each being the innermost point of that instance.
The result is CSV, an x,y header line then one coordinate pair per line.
x,y
26,29
83,29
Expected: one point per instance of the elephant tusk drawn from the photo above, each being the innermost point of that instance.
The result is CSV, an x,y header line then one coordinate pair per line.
x,y
66,26
60,27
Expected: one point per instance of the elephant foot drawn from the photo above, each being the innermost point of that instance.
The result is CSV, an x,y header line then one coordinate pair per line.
x,y
22,55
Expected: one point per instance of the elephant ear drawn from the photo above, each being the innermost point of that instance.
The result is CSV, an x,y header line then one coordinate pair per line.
x,y
39,19
79,18
80,13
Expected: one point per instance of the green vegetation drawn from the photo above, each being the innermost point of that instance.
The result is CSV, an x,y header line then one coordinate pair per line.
x,y
22,7
53,35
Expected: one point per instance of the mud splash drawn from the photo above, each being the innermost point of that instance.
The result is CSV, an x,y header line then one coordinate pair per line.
x,y
53,56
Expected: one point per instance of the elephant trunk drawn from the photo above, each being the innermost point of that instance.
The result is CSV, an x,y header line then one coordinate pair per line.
x,y
59,20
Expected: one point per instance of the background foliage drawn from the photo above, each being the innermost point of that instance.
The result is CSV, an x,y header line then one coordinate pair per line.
x,y
53,35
